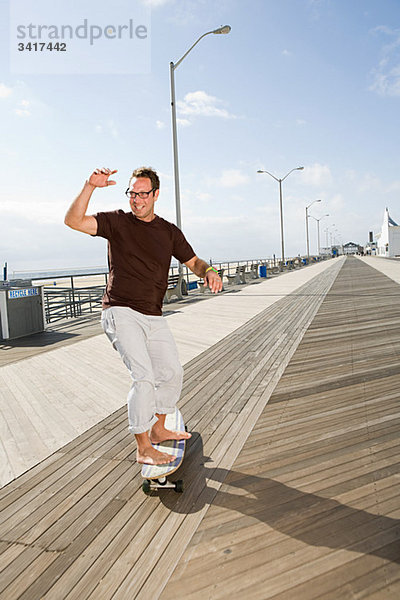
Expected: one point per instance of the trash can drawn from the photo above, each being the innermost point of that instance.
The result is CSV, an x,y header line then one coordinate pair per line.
x,y
21,310
263,270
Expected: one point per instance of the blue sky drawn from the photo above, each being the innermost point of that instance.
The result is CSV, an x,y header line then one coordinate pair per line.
x,y
314,83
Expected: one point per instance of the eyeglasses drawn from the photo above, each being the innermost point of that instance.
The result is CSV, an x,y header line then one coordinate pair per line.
x,y
142,195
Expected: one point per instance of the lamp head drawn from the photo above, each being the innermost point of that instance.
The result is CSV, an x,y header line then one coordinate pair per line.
x,y
259,171
299,168
224,29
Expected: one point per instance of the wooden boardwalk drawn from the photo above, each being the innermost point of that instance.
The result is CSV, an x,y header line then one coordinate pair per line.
x,y
311,506
297,498
54,387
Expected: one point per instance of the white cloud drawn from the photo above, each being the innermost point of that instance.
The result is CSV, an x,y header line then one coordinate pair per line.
x,y
231,178
216,220
186,13
336,204
164,175
183,122
156,3
317,175
394,187
107,128
21,106
5,91
22,109
386,81
369,182
160,124
301,122
386,76
203,196
21,112
287,53
351,174
45,211
202,104
316,7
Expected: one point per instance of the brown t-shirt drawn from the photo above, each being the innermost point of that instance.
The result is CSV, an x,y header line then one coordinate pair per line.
x,y
139,256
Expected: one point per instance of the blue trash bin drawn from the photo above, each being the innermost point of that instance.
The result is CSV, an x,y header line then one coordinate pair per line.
x,y
263,271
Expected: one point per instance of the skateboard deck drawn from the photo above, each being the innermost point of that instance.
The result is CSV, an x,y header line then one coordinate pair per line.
x,y
156,475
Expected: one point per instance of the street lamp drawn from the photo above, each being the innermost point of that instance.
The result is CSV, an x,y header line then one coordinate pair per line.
x,y
318,220
173,66
326,237
336,235
308,240
280,203
329,232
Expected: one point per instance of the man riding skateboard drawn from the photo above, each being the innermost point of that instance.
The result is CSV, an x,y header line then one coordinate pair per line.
x,y
140,247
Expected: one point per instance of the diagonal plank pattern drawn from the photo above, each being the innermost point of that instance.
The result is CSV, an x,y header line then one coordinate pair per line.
x,y
58,388
310,507
78,525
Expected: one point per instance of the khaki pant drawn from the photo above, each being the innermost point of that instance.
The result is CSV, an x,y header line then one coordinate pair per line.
x,y
148,350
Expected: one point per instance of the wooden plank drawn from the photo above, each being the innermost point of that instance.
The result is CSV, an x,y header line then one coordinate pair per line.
x,y
59,523
18,518
89,568
20,564
47,578
9,552
28,573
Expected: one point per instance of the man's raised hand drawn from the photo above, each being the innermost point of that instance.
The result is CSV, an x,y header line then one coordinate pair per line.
x,y
76,216
99,177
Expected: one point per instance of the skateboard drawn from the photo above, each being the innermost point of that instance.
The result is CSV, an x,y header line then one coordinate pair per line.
x,y
155,476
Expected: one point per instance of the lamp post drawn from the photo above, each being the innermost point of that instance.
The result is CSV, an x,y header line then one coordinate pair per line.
x,y
318,220
173,66
336,234
328,232
308,240
326,238
280,203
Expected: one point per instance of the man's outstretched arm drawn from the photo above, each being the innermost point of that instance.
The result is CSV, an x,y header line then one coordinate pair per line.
x,y
200,268
76,216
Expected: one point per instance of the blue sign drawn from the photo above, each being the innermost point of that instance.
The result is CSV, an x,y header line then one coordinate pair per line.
x,y
23,293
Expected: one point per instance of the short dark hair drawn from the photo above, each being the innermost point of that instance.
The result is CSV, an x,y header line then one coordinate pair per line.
x,y
148,172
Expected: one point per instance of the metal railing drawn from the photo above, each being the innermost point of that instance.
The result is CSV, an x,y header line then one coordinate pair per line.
x,y
64,303
71,302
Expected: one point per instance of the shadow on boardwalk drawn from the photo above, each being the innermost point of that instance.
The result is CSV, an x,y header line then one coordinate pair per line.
x,y
307,517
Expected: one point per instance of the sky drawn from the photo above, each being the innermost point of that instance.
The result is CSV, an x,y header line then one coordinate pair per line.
x,y
312,83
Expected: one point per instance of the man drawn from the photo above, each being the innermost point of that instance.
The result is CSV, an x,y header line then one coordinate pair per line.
x,y
140,247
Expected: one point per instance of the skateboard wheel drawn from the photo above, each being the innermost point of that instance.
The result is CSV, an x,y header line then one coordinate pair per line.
x,y
146,487
179,486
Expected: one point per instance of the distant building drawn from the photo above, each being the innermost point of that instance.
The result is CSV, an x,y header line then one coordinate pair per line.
x,y
335,250
325,251
352,248
388,240
370,246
